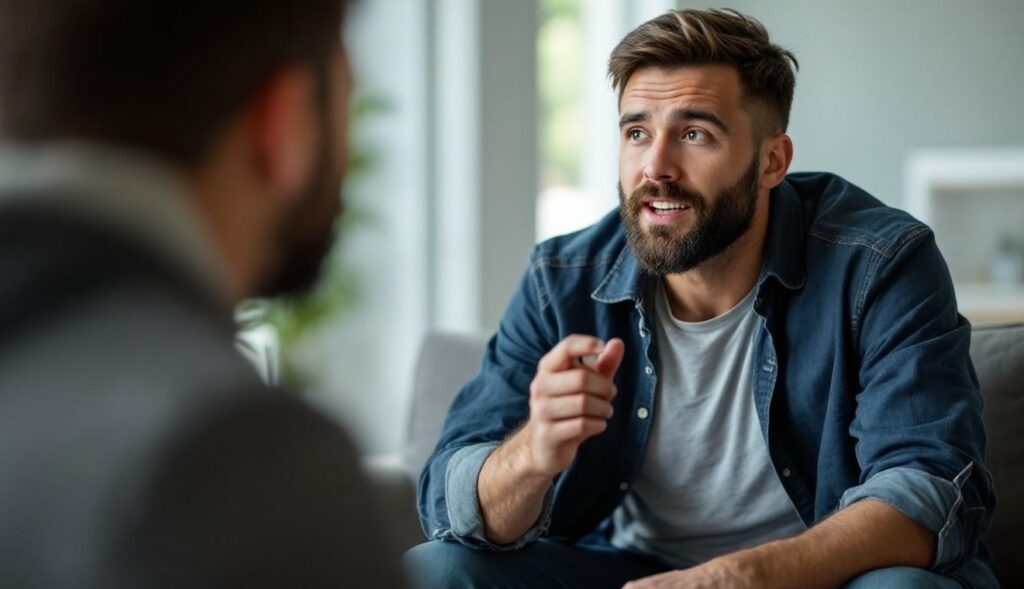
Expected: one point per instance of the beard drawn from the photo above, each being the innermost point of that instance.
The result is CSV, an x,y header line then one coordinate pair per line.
x,y
307,233
717,226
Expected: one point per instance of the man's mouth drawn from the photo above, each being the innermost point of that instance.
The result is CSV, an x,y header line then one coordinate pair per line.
x,y
665,207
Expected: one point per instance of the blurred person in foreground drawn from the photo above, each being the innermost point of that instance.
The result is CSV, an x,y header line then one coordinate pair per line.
x,y
159,162
741,378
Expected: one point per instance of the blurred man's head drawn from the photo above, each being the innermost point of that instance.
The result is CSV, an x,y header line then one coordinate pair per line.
x,y
247,98
704,100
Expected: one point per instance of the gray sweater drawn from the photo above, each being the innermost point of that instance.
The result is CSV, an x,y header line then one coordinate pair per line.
x,y
137,448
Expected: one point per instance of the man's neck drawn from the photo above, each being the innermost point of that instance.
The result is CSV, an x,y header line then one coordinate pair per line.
x,y
230,226
721,282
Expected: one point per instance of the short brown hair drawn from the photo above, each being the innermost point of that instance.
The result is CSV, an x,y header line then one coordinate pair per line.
x,y
165,76
702,37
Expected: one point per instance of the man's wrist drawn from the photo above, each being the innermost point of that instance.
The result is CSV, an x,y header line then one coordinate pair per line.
x,y
746,568
519,458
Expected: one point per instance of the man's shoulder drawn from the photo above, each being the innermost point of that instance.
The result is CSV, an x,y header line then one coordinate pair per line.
x,y
838,212
597,245
94,316
143,390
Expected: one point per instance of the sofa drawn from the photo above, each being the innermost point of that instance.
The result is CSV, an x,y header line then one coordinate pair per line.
x,y
448,360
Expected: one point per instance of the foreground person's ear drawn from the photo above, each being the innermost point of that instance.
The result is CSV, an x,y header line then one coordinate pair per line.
x,y
281,129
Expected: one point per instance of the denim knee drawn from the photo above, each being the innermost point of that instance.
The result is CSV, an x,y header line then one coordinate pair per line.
x,y
902,578
450,565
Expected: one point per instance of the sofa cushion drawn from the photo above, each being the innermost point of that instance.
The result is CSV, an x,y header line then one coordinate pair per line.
x,y
447,361
998,354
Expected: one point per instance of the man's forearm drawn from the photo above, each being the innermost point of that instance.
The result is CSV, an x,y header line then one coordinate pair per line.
x,y
864,536
570,401
511,497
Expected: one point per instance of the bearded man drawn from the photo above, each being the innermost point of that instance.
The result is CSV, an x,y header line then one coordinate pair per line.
x,y
740,379
159,162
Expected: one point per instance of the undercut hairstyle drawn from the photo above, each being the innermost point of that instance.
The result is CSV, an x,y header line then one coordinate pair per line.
x,y
165,76
709,37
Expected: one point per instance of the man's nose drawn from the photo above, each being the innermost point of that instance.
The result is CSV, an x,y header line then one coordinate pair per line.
x,y
663,162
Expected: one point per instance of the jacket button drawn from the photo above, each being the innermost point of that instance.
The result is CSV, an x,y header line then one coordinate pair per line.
x,y
786,472
623,486
649,371
642,413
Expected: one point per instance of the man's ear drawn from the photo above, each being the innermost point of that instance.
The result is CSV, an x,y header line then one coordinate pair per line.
x,y
776,155
282,130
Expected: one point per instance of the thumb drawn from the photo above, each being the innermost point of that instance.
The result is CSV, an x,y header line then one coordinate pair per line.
x,y
611,357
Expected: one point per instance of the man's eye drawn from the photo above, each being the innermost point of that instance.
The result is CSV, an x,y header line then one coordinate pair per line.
x,y
636,135
696,136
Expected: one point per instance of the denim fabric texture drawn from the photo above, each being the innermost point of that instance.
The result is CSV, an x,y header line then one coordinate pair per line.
x,y
863,383
556,565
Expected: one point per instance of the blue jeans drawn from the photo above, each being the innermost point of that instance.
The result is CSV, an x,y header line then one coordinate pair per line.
x,y
549,564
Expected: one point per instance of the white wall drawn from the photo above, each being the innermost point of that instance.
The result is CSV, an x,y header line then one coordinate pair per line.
x,y
451,196
485,144
359,361
880,78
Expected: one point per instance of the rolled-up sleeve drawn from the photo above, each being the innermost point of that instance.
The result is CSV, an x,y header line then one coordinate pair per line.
x,y
919,429
931,501
464,514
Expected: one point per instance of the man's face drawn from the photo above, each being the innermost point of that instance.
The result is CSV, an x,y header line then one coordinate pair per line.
x,y
307,233
688,166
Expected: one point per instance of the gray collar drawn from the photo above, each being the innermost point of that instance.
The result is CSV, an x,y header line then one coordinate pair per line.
x,y
125,190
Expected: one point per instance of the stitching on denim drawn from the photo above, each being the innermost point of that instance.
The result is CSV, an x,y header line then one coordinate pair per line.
x,y
862,294
594,295
909,236
869,276
836,239
574,262
888,250
537,264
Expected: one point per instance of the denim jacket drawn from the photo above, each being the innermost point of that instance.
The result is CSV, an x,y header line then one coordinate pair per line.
x,y
863,383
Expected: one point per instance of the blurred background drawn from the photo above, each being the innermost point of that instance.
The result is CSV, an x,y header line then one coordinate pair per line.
x,y
487,125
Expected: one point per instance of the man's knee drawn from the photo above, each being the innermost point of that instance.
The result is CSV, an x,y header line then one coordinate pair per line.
x,y
902,577
450,564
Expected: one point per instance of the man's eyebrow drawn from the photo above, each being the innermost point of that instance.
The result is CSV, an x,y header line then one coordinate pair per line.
x,y
682,114
696,114
634,117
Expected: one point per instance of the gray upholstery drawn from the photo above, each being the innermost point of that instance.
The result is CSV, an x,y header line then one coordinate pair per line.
x,y
447,361
998,354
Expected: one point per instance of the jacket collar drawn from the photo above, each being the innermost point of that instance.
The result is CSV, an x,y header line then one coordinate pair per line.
x,y
784,251
624,281
783,254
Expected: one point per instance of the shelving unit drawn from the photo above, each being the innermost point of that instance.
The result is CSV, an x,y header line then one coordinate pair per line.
x,y
972,198
987,303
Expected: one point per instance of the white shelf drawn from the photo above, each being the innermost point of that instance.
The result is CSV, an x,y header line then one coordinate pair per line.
x,y
930,171
991,303
972,198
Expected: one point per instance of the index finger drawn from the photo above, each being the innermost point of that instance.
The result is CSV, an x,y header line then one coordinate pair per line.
x,y
565,354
